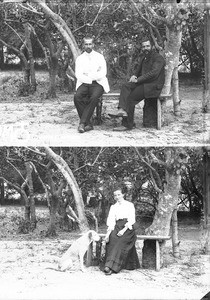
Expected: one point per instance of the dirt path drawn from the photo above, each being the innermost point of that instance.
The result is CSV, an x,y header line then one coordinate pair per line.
x,y
36,121
26,274
28,265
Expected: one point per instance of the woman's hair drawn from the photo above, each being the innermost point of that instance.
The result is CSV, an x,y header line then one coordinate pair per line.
x,y
119,186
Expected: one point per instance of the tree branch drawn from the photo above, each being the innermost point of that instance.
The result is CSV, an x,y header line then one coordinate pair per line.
x,y
154,182
150,168
31,9
16,33
43,184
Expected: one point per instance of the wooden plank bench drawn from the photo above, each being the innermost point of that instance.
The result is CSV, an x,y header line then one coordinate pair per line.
x,y
153,111
157,240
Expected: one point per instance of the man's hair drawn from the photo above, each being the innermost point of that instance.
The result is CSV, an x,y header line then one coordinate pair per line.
x,y
147,39
88,38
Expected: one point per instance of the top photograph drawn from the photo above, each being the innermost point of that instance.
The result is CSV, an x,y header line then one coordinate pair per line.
x,y
104,73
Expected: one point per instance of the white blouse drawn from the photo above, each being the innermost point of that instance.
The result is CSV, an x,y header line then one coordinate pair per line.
x,y
124,210
89,67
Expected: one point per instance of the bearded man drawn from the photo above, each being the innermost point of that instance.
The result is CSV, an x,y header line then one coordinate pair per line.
x,y
147,83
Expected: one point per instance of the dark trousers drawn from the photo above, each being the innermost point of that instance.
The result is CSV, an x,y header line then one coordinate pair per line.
x,y
86,99
131,94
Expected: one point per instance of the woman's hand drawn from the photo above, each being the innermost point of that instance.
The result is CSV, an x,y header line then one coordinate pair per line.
x,y
121,232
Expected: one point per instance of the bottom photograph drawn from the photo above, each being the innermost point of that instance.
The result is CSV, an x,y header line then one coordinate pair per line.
x,y
104,223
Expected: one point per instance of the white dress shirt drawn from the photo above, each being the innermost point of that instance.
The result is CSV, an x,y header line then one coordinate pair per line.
x,y
91,67
124,210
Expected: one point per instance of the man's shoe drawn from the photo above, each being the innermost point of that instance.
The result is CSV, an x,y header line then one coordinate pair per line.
x,y
121,128
119,113
89,127
81,128
108,271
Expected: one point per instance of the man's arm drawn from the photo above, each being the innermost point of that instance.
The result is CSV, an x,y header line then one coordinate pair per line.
x,y
154,72
101,71
80,73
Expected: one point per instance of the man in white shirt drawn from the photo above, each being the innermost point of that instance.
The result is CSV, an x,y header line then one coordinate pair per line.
x,y
90,71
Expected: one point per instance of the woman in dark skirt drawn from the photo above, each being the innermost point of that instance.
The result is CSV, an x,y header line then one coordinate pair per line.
x,y
120,238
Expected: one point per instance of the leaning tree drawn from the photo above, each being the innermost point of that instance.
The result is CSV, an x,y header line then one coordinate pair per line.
x,y
172,161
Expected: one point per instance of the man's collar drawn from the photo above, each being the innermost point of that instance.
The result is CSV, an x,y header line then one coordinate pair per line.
x,y
91,53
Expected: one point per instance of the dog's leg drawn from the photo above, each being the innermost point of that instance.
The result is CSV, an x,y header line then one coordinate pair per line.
x,y
81,259
65,264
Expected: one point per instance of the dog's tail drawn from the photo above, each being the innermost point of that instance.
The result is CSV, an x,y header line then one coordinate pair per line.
x,y
55,269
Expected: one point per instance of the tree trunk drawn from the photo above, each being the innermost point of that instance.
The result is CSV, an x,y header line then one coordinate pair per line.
x,y
175,159
166,204
1,191
52,73
29,170
30,56
68,175
206,202
206,92
175,239
1,57
27,205
175,84
172,49
51,231
61,26
54,201
168,200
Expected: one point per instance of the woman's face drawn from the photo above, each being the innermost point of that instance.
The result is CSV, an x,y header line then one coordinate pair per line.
x,y
118,196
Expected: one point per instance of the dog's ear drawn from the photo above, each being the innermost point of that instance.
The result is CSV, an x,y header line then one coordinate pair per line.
x,y
90,235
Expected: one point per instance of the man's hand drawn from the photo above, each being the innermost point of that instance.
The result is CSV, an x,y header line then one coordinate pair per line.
x,y
133,79
106,239
121,232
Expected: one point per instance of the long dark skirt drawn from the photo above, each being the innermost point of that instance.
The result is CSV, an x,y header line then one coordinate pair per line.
x,y
121,251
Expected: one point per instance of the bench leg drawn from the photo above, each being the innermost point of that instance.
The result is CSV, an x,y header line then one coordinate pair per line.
x,y
157,255
150,115
99,111
159,114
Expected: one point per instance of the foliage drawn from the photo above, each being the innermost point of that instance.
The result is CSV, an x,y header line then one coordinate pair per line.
x,y
192,51
117,27
98,169
191,194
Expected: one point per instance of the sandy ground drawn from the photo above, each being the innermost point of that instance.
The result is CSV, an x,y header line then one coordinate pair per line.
x,y
28,266
34,120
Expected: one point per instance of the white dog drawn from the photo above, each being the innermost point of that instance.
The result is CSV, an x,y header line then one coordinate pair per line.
x,y
77,251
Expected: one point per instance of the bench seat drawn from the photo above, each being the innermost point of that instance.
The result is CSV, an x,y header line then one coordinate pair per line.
x,y
157,240
153,112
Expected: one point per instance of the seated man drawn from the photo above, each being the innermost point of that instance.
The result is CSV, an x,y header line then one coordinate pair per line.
x,y
90,71
147,83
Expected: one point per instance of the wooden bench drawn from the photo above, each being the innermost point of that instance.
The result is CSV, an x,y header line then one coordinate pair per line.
x,y
157,240
153,111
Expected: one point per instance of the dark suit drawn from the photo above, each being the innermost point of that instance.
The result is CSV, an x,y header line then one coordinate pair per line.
x,y
150,80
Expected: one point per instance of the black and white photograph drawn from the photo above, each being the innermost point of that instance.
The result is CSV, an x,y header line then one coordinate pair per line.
x,y
105,149
104,223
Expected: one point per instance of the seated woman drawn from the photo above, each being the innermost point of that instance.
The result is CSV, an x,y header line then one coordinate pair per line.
x,y
120,238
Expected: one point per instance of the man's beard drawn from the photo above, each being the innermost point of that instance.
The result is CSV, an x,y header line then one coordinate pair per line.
x,y
88,50
146,52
